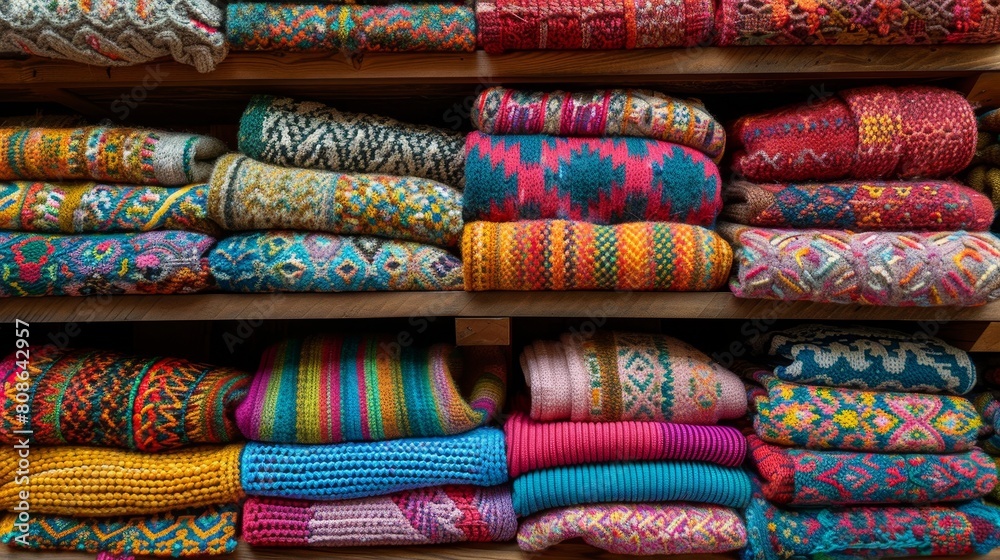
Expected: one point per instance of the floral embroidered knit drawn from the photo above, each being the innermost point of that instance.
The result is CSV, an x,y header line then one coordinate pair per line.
x,y
598,180
620,528
120,155
246,194
564,255
988,407
613,112
436,515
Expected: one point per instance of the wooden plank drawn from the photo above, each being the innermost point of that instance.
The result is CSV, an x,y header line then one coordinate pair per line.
x,y
989,340
985,91
482,331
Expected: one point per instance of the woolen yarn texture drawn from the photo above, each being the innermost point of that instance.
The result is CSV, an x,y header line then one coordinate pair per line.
x,y
988,407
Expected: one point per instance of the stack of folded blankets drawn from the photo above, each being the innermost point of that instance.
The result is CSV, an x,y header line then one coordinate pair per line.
x,y
847,200
600,190
106,452
358,441
620,447
862,448
334,201
984,172
101,210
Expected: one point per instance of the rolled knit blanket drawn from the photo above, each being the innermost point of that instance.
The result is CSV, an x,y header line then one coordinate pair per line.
x,y
597,180
286,132
360,470
985,178
612,112
987,148
107,399
330,27
564,255
539,445
644,529
988,407
866,133
804,477
436,515
929,205
506,25
155,262
332,389
191,532
901,269
115,32
119,155
653,481
289,261
614,376
994,495
868,358
246,194
96,207
99,482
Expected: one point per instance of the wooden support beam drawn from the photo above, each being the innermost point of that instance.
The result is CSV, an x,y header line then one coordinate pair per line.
x,y
482,331
985,90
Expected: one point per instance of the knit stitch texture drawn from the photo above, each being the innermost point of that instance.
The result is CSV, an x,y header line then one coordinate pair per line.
x,y
565,255
988,407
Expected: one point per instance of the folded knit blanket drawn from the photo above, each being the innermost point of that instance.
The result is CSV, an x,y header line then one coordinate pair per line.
x,y
597,180
191,532
642,529
246,194
866,133
286,132
854,420
96,207
436,515
115,32
290,261
360,470
987,148
506,25
332,389
155,262
119,155
612,112
989,410
539,445
804,477
868,358
654,481
330,27
928,205
901,269
94,481
614,376
564,255
985,178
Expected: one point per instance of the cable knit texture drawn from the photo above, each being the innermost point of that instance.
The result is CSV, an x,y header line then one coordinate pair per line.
x,y
435,515
539,445
613,376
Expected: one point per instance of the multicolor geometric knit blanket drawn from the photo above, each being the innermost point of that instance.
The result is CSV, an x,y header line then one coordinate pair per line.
x,y
100,482
930,205
191,532
900,269
598,180
290,261
613,376
622,528
436,515
118,155
989,410
322,27
654,481
107,399
564,255
540,445
866,133
868,358
360,470
613,112
822,478
506,25
305,134
155,262
115,32
332,389
854,420
96,207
